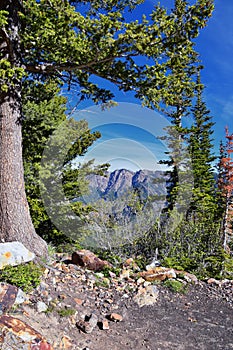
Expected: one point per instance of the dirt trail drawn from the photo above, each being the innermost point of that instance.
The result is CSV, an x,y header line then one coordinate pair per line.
x,y
200,319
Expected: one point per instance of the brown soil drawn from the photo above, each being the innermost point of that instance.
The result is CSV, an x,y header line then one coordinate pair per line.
x,y
184,322
202,318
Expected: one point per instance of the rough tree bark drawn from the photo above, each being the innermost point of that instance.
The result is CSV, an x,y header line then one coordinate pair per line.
x,y
15,220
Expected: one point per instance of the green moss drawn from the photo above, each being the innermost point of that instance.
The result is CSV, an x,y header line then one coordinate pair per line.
x,y
25,276
102,282
175,286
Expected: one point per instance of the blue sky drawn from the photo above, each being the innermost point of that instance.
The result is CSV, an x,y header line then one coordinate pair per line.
x,y
130,136
215,45
130,133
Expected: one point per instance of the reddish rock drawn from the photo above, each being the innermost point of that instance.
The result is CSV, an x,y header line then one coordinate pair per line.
x,y
104,325
89,260
158,274
125,274
189,277
78,301
116,317
41,345
130,263
8,295
66,342
15,334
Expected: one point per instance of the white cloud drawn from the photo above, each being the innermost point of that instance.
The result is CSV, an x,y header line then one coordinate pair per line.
x,y
228,110
121,152
132,149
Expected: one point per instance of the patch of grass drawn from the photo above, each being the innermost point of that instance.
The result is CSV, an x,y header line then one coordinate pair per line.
x,y
102,282
106,269
51,308
51,250
66,312
175,286
52,305
25,276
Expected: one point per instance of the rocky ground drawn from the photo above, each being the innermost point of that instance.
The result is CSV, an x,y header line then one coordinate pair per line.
x,y
75,308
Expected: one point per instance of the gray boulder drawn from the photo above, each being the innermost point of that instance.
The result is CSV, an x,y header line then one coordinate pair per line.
x,y
14,253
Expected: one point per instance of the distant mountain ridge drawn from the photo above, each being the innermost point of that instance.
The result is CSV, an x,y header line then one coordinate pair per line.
x,y
124,204
115,184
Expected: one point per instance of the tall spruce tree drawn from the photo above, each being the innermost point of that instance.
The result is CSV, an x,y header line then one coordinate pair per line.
x,y
203,219
201,153
173,238
195,242
190,236
52,38
183,62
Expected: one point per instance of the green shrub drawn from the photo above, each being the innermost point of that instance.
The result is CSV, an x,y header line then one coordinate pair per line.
x,y
228,268
106,269
213,266
25,276
141,262
108,255
172,262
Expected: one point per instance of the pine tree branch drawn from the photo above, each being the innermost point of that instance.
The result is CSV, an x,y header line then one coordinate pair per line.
x,y
48,68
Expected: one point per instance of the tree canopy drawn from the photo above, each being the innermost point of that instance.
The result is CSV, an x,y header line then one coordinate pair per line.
x,y
76,40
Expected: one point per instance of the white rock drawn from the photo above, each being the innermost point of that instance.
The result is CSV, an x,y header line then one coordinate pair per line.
x,y
140,281
146,284
154,263
14,253
21,297
126,296
41,306
147,296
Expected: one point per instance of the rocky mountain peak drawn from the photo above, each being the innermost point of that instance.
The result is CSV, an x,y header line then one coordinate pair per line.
x,y
116,183
119,181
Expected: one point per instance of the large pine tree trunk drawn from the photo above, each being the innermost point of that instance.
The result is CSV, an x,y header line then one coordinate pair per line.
x,y
15,220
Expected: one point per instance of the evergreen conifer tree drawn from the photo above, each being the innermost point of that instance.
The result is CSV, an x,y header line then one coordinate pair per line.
x,y
194,238
201,153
